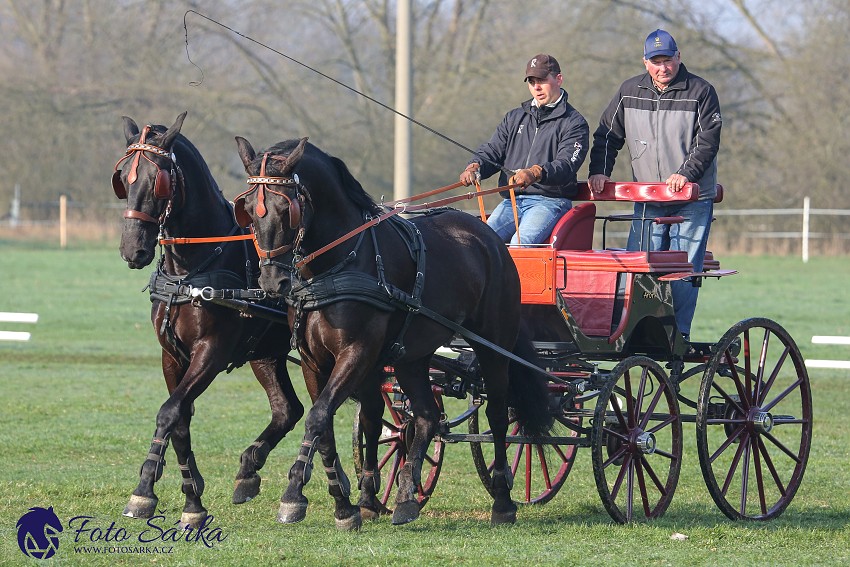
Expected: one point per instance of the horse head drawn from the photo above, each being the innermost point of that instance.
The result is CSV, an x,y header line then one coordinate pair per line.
x,y
148,177
274,206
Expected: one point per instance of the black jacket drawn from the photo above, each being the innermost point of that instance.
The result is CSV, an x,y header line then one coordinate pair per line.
x,y
557,141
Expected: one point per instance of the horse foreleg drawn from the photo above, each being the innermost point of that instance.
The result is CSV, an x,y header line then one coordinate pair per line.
x,y
320,436
144,500
287,410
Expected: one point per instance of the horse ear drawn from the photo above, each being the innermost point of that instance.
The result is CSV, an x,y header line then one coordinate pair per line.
x,y
174,130
243,219
246,151
296,154
131,129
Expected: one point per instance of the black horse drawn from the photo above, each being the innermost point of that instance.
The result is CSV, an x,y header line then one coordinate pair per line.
x,y
369,300
170,192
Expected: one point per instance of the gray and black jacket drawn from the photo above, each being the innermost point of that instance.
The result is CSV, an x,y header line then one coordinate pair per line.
x,y
556,139
675,131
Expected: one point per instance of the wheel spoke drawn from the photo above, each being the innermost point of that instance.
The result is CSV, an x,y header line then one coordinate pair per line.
x,y
671,420
759,479
630,491
765,388
651,472
652,405
729,440
729,399
769,462
781,446
640,394
733,466
782,395
745,474
390,452
627,461
630,401
642,486
544,466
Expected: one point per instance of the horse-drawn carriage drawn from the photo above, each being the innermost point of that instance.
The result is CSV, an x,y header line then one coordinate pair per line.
x,y
561,345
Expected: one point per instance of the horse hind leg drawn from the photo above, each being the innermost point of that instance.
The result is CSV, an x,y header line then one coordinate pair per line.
x,y
287,410
369,482
413,379
495,370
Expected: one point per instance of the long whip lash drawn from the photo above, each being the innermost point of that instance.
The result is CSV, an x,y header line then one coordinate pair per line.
x,y
340,83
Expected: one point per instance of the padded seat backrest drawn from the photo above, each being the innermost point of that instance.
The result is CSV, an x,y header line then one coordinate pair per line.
x,y
574,230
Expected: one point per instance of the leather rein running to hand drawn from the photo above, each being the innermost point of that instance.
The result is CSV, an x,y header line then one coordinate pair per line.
x,y
262,182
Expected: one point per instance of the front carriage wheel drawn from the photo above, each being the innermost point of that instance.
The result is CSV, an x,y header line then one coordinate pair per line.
x,y
540,469
754,421
636,441
396,435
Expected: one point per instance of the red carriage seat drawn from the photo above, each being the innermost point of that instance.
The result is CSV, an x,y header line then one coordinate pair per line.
x,y
574,231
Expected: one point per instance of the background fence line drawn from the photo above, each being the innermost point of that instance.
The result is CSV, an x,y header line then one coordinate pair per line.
x,y
43,218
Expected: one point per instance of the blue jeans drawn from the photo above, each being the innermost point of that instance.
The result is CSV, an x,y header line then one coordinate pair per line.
x,y
537,217
690,236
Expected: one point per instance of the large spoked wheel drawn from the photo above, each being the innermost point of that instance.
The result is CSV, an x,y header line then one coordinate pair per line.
x,y
636,441
396,435
754,421
539,469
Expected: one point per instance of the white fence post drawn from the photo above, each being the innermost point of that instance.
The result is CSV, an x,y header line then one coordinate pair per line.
x,y
806,203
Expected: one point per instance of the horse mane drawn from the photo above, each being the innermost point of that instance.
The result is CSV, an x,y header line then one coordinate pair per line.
x,y
182,145
353,189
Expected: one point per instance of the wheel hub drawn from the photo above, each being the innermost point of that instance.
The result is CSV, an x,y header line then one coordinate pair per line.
x,y
645,442
762,421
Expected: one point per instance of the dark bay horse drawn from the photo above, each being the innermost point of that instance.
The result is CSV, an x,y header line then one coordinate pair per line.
x,y
170,192
370,300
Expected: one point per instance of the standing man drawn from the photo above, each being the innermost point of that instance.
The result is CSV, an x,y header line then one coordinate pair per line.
x,y
670,120
543,143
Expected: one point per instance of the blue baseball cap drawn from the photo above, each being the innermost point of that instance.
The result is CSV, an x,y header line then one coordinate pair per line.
x,y
659,42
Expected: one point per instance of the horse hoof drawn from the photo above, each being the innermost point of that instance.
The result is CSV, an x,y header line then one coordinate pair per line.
x,y
140,507
246,489
351,523
292,512
192,519
405,512
500,517
374,511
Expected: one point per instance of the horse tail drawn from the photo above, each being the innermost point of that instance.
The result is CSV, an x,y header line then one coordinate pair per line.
x,y
529,393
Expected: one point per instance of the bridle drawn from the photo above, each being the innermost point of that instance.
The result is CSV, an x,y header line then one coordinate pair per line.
x,y
164,184
262,184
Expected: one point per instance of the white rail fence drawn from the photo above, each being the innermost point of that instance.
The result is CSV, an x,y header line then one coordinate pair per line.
x,y
10,317
829,340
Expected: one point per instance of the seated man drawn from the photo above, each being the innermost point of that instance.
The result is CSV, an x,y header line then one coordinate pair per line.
x,y
542,144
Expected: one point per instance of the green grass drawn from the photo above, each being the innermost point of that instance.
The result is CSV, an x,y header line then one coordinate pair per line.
x,y
79,401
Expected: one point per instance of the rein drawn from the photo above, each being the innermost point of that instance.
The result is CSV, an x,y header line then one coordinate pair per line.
x,y
405,209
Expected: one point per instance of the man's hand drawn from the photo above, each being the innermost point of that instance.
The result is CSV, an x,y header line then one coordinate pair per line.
x,y
676,182
597,182
526,177
469,175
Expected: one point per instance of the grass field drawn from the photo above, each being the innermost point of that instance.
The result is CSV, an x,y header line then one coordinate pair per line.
x,y
79,400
